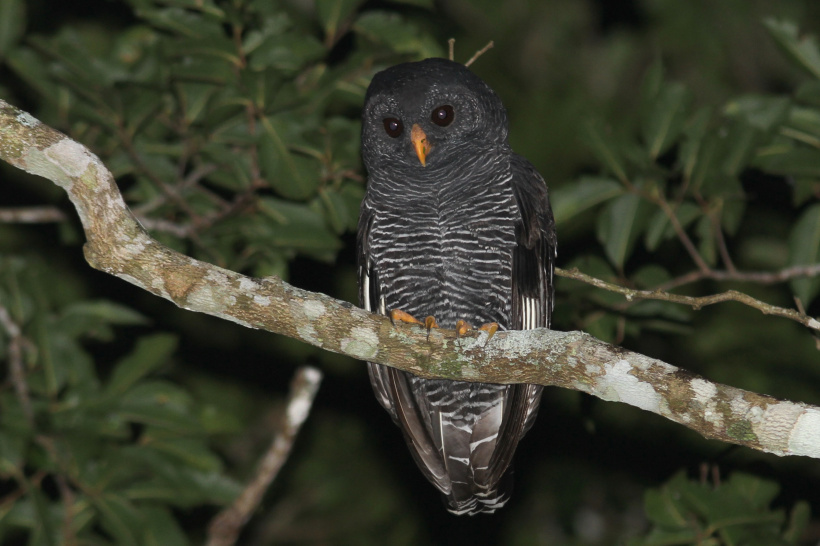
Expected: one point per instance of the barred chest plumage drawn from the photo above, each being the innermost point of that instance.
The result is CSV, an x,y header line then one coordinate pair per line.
x,y
445,249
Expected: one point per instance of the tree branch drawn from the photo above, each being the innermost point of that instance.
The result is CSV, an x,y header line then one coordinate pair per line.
x,y
225,527
695,302
117,244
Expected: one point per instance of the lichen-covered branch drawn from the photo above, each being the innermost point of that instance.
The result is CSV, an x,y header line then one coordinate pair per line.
x,y
118,245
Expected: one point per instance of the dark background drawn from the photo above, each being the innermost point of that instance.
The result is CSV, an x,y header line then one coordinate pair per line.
x,y
582,470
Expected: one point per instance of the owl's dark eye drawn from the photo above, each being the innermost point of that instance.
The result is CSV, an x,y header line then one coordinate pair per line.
x,y
443,115
393,127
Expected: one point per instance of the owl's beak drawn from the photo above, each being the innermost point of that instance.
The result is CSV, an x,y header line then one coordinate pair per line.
x,y
419,139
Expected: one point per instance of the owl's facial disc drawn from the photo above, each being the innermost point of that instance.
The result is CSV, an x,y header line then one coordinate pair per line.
x,y
420,143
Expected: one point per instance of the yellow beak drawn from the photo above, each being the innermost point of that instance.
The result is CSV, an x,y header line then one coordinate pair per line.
x,y
419,140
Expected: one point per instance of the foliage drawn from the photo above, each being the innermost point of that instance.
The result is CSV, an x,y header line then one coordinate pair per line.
x,y
734,512
232,128
113,454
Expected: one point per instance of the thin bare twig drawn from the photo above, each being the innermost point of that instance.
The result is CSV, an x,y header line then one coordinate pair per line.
x,y
681,233
479,53
694,302
451,44
16,369
758,277
31,215
225,527
722,246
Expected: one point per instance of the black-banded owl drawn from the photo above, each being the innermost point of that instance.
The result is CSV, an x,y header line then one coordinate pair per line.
x,y
456,226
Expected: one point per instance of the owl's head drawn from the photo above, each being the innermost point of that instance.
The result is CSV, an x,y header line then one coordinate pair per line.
x,y
428,113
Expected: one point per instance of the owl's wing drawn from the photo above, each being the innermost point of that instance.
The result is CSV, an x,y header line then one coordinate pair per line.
x,y
392,387
532,300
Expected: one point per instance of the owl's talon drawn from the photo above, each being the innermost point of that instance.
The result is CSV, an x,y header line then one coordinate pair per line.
x,y
462,326
401,316
491,328
407,318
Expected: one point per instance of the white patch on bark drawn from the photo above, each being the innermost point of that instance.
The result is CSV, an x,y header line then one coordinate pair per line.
x,y
805,437
258,299
618,385
314,309
775,426
247,285
24,118
71,157
364,344
308,333
704,394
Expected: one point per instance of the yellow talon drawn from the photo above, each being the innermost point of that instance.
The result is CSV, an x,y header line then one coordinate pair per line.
x,y
401,316
461,328
491,328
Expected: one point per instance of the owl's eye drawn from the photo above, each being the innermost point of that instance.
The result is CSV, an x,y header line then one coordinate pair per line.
x,y
443,115
393,127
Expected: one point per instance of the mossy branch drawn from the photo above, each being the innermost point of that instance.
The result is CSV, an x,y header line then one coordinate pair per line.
x,y
119,245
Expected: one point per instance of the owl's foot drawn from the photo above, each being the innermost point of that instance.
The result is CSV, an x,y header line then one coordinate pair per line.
x,y
401,316
462,326
491,328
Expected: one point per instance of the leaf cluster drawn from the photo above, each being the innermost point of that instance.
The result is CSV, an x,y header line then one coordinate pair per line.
x,y
690,181
111,449
233,127
737,511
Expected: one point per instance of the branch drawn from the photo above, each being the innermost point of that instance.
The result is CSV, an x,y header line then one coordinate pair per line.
x,y
759,277
695,302
117,244
225,527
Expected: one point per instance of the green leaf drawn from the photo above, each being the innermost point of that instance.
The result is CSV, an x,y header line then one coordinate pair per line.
x,y
756,493
664,508
804,190
707,245
759,111
109,312
12,452
161,528
574,198
605,149
296,226
183,22
802,50
12,24
804,249
293,175
808,93
692,145
798,521
397,34
119,518
661,229
619,226
738,146
662,121
150,353
159,403
332,13
335,209
789,161
288,53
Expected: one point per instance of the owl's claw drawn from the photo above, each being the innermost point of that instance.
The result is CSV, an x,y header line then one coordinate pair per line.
x,y
401,316
462,327
491,328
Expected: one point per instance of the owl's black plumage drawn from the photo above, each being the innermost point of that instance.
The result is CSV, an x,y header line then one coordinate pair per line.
x,y
456,226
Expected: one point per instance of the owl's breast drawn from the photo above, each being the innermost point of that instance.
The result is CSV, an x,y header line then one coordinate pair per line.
x,y
448,253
